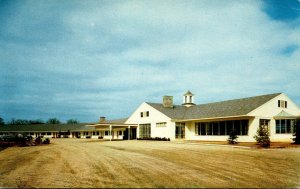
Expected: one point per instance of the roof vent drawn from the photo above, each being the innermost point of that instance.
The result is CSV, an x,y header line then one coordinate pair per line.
x,y
168,101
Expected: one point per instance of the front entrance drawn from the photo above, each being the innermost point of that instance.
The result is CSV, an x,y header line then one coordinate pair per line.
x,y
132,133
180,131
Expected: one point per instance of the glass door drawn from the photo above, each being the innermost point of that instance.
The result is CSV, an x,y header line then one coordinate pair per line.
x,y
180,130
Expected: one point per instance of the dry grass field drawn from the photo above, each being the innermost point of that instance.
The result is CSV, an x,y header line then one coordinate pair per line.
x,y
94,163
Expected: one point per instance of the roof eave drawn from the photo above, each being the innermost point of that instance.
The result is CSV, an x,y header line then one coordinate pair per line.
x,y
212,118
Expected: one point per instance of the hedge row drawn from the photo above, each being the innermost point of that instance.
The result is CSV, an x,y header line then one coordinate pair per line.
x,y
154,138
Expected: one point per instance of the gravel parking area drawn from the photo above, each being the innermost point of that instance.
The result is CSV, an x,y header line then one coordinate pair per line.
x,y
96,163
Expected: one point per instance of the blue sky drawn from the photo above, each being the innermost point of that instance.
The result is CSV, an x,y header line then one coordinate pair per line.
x,y
85,59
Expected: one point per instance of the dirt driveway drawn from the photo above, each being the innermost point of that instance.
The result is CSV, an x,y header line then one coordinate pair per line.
x,y
94,163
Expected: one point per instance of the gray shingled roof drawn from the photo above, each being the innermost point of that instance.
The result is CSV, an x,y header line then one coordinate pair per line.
x,y
47,127
117,121
234,107
113,121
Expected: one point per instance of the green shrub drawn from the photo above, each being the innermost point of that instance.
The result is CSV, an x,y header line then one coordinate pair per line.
x,y
154,138
262,137
38,140
46,141
232,139
296,134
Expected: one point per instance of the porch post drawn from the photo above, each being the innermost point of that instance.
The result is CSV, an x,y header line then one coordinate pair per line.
x,y
110,128
128,132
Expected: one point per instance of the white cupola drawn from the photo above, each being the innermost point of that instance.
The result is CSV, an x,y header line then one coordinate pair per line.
x,y
188,99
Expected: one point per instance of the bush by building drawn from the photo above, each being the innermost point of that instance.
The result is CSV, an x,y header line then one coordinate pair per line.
x,y
262,137
232,139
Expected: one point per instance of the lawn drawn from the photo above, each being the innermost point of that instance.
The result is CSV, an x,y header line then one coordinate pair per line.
x,y
95,163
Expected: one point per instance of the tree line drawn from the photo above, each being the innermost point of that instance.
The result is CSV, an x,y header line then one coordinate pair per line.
x,y
14,121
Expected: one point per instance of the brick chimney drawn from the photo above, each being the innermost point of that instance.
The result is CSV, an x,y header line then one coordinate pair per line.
x,y
168,101
102,119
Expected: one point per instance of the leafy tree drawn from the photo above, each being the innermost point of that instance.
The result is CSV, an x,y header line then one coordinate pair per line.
x,y
296,135
72,121
1,121
232,139
18,122
262,137
12,121
53,121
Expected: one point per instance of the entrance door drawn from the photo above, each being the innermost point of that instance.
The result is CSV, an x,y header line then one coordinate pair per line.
x,y
132,134
180,131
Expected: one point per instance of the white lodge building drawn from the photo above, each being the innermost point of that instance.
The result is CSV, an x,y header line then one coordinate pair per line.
x,y
214,121
207,122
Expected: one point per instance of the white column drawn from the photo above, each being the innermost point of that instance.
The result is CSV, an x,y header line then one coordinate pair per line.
x,y
110,129
128,132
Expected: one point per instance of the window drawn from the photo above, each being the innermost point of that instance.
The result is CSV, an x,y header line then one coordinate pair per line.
x,y
237,126
209,129
120,133
145,130
200,128
285,126
43,133
203,128
48,133
282,104
264,123
215,128
145,114
161,124
222,127
229,126
106,133
244,127
95,132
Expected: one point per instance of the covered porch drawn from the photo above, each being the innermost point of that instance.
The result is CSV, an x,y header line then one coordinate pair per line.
x,y
116,131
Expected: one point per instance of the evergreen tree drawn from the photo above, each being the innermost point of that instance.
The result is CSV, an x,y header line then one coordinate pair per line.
x,y
232,139
262,137
1,121
296,134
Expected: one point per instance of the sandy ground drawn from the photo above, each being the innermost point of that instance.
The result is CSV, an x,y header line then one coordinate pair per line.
x,y
94,163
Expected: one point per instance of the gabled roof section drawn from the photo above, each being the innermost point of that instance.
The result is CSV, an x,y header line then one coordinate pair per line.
x,y
283,115
234,107
188,93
